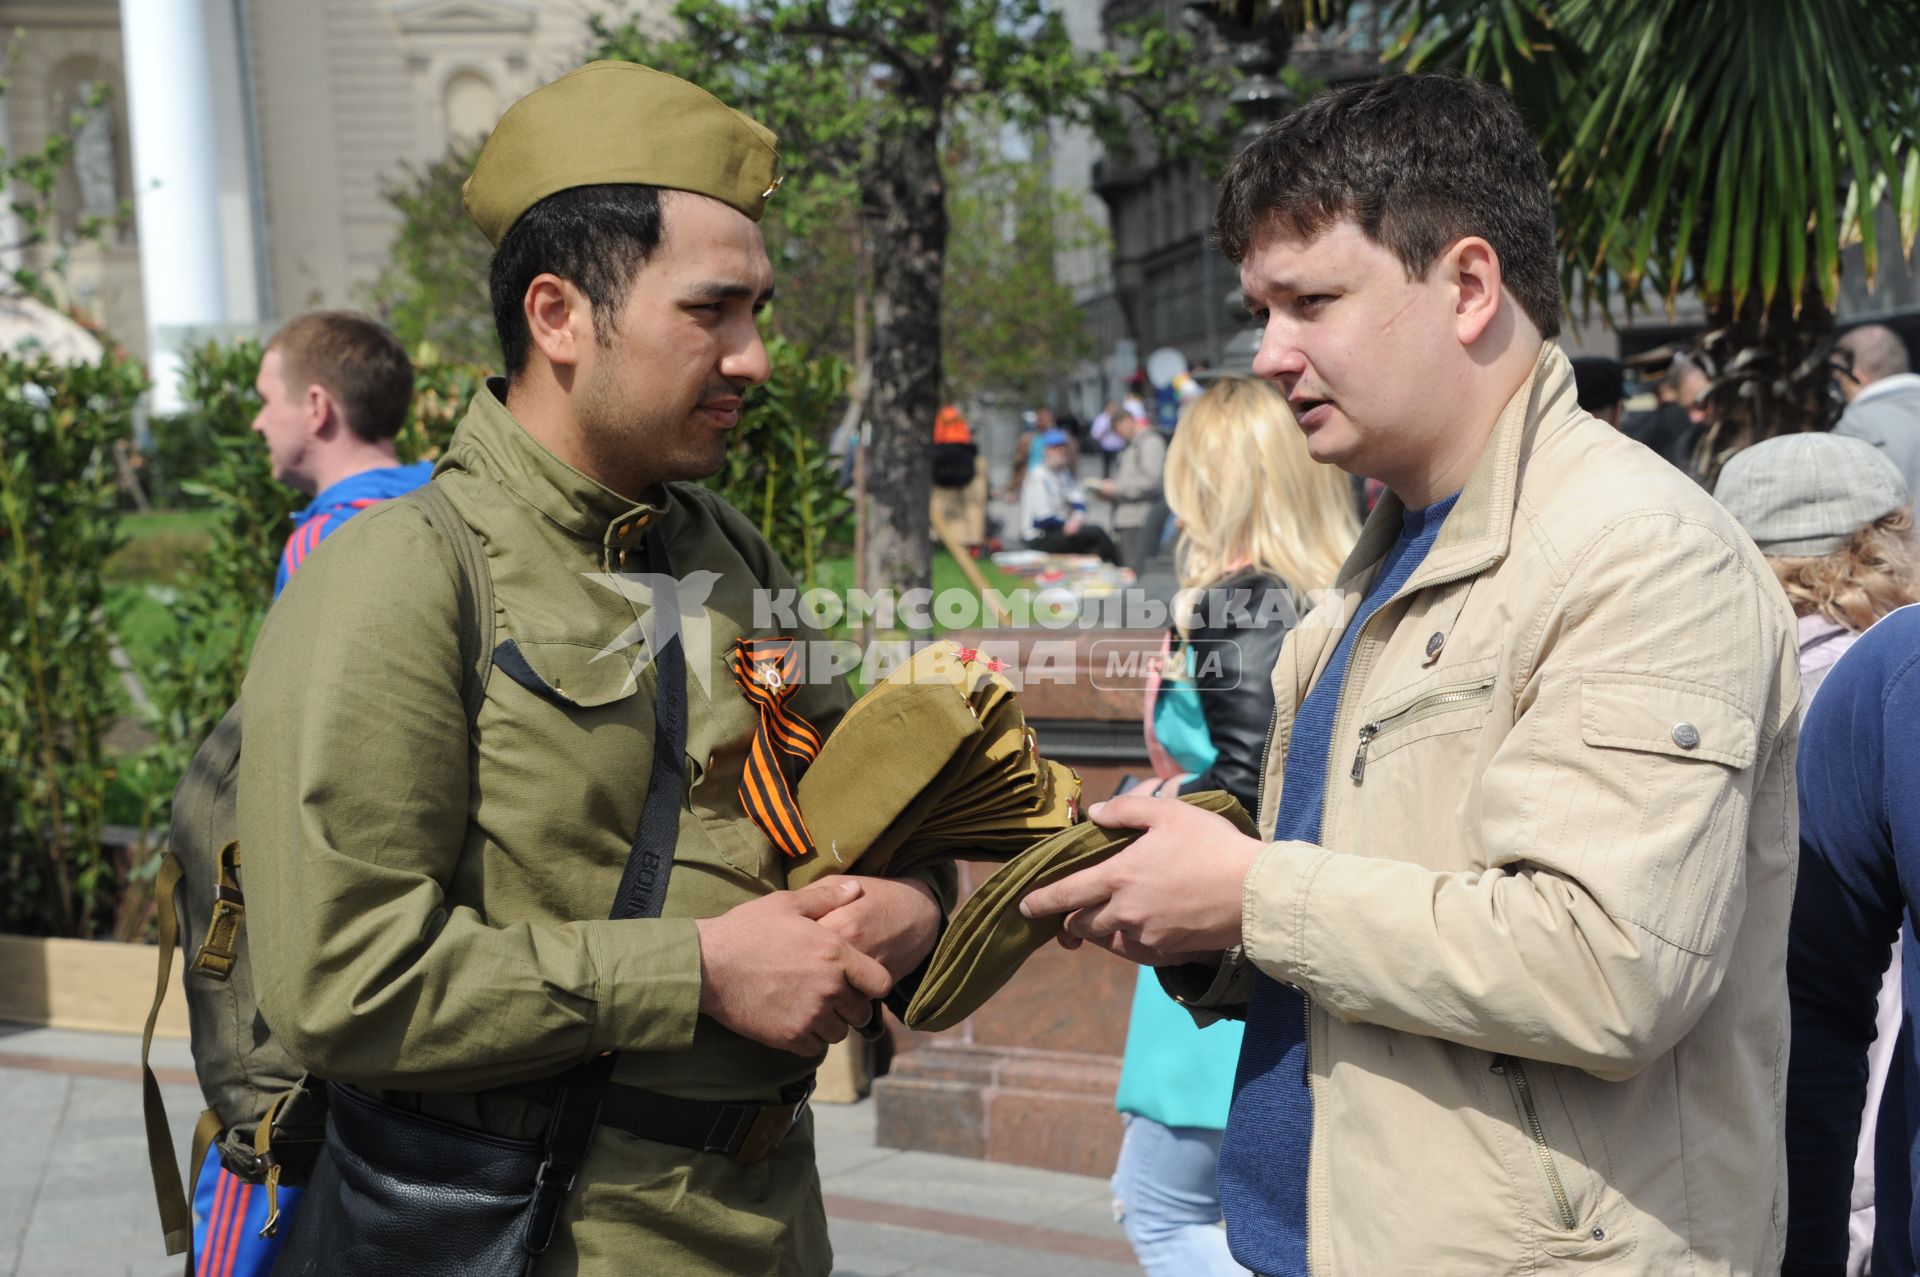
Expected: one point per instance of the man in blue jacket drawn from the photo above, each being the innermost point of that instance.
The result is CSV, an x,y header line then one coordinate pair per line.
x,y
334,390
1859,877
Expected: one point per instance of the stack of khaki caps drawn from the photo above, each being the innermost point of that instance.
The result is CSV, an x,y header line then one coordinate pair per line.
x,y
989,938
935,763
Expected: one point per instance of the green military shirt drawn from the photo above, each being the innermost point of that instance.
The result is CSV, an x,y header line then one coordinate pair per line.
x,y
428,905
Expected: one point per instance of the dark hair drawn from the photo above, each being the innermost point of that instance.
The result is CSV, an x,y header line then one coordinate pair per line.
x,y
1598,382
1418,162
358,362
594,237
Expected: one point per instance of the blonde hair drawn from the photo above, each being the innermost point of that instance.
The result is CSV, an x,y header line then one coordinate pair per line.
x,y
1246,491
1875,572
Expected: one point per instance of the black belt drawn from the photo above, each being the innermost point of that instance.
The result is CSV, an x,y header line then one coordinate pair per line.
x,y
747,1133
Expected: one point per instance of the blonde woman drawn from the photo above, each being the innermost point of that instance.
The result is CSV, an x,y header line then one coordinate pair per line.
x,y
1262,525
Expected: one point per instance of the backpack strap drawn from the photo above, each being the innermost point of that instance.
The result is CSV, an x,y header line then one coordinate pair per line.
x,y
176,1219
475,580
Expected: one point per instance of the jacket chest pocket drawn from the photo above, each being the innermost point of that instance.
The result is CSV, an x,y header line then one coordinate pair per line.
x,y
1393,774
567,732
1450,707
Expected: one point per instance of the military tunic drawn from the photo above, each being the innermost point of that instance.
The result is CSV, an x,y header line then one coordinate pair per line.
x,y
429,904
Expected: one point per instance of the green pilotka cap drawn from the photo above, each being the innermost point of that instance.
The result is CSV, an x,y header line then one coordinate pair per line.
x,y
619,122
936,762
988,938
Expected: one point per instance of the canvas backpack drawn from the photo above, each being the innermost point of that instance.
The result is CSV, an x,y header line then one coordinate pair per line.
x,y
267,1124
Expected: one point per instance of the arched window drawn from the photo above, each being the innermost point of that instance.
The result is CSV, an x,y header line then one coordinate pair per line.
x,y
472,106
87,101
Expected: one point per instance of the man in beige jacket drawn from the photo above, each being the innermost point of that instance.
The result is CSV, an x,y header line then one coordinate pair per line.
x,y
1512,944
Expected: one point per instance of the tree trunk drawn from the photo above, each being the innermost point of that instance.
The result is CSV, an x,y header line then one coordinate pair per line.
x,y
907,195
1771,374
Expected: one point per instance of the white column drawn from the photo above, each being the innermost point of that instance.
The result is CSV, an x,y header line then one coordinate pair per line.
x,y
176,182
9,224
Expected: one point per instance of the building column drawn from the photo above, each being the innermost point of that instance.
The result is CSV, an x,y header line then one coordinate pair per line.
x,y
176,183
9,224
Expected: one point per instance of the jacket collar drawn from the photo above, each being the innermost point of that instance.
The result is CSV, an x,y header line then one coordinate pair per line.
x,y
493,444
1480,528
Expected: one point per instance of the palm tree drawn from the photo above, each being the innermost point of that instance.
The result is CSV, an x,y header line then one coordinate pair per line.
x,y
1730,148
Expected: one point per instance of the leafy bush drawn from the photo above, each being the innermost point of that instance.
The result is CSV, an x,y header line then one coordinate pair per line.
x,y
779,472
58,428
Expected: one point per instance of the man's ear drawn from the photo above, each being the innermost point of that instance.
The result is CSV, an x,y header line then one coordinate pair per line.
x,y
322,413
1475,269
559,319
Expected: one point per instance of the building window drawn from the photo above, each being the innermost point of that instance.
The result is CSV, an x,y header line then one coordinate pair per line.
x,y
87,102
472,107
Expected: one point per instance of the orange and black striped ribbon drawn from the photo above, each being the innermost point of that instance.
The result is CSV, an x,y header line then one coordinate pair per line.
x,y
768,671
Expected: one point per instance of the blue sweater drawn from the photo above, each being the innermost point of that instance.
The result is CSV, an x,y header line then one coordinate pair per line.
x,y
1263,1156
334,506
1859,879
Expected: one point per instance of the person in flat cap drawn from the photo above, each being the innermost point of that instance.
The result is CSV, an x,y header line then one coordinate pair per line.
x,y
481,915
1834,518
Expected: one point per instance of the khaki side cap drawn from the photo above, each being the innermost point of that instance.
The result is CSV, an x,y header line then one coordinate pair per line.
x,y
619,122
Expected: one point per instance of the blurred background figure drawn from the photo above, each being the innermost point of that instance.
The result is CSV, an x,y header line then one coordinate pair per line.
x,y
1053,506
1135,488
1834,517
1882,394
959,501
1026,450
1261,526
1600,387
1106,437
1674,426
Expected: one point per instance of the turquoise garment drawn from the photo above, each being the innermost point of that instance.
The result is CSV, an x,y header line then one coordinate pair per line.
x,y
1181,727
1175,1072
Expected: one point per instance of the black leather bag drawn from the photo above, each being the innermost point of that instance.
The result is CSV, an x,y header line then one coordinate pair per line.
x,y
402,1192
399,1194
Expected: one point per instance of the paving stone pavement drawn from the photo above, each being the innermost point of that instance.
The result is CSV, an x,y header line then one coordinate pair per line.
x,y
76,1198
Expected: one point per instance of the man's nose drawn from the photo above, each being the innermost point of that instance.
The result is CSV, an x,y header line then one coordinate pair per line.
x,y
747,360
1279,355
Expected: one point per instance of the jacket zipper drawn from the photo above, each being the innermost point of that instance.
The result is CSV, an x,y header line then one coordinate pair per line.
x,y
1523,1091
1421,707
1266,753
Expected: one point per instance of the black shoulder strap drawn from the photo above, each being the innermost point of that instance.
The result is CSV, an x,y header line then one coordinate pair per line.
x,y
643,892
643,887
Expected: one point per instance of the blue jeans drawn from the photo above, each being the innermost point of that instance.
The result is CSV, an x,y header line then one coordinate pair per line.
x,y
1167,1197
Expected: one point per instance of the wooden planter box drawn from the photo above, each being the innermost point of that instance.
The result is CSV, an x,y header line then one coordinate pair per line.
x,y
86,984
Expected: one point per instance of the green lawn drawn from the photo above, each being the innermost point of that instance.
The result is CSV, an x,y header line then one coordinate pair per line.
x,y
159,544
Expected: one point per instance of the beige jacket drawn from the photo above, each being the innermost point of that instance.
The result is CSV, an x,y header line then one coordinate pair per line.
x,y
1544,944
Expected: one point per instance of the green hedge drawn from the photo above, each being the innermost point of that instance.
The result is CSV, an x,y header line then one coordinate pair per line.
x,y
58,430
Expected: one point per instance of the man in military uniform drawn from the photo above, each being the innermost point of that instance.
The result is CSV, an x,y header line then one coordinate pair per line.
x,y
428,898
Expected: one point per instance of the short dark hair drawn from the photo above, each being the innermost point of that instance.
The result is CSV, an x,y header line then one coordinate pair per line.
x,y
1418,162
1598,382
594,237
357,361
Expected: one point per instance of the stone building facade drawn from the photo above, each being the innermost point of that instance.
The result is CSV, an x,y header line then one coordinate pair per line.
x,y
300,113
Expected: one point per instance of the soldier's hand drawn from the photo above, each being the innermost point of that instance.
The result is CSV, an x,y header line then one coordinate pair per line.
x,y
771,972
1171,895
893,920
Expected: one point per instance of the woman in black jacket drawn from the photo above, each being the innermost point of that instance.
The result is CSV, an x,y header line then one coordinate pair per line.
x,y
1262,526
